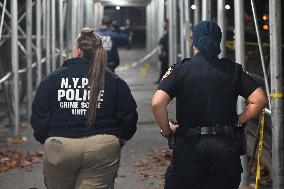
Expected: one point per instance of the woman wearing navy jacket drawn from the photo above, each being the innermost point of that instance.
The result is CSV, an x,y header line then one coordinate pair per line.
x,y
83,114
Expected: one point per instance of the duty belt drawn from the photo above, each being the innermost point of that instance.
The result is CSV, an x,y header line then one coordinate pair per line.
x,y
214,130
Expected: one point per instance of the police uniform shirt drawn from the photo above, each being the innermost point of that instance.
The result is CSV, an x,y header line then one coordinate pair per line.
x,y
206,91
111,41
61,102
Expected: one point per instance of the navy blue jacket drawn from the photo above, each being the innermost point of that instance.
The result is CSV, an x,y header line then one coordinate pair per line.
x,y
111,41
61,101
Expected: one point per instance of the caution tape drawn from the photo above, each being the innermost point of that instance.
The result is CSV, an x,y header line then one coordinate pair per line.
x,y
277,95
231,44
259,151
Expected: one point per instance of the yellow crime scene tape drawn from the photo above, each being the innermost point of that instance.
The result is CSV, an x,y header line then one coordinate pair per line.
x,y
259,151
231,44
277,95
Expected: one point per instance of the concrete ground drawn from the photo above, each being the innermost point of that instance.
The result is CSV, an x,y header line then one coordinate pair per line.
x,y
146,141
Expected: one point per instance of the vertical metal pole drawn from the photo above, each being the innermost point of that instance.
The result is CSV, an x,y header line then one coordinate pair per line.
x,y
97,24
148,27
73,22
206,9
240,58
260,49
81,15
161,17
182,28
53,34
38,40
44,24
153,40
29,55
61,32
172,31
47,50
157,21
2,18
197,12
90,13
15,64
276,88
221,23
188,28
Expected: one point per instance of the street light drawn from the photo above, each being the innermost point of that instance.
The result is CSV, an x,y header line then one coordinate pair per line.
x,y
117,8
227,7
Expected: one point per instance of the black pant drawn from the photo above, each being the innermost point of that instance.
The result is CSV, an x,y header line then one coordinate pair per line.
x,y
205,162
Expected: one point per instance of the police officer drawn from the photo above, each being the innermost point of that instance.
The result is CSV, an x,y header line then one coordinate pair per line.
x,y
164,47
111,41
83,114
207,148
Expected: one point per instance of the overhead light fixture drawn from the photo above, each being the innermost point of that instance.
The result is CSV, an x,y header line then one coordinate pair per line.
x,y
117,8
193,7
227,7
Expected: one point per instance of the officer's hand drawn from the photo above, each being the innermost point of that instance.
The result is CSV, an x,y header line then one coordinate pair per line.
x,y
173,126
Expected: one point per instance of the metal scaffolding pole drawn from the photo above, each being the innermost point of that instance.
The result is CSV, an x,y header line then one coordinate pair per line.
x,y
157,21
61,32
206,9
240,58
81,15
182,28
89,13
29,55
172,10
53,35
47,37
197,12
148,27
44,22
15,65
38,40
153,25
260,49
277,93
97,21
188,28
221,23
2,18
73,22
161,17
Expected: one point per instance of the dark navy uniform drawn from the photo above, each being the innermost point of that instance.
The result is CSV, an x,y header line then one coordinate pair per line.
x,y
111,41
164,56
206,92
61,102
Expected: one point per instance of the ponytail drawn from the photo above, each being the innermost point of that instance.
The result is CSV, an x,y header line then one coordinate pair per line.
x,y
96,83
90,44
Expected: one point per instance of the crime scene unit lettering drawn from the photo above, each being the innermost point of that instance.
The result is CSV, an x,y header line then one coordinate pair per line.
x,y
74,94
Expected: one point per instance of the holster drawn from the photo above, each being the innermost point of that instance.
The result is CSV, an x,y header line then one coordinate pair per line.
x,y
243,139
171,141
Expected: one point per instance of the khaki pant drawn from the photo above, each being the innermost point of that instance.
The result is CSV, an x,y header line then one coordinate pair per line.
x,y
81,163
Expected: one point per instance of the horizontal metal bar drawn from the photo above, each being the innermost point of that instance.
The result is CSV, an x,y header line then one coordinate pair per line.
x,y
20,37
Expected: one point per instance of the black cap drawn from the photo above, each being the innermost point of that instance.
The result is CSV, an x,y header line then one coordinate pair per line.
x,y
207,37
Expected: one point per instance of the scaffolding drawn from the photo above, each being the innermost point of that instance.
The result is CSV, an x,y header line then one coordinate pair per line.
x,y
46,43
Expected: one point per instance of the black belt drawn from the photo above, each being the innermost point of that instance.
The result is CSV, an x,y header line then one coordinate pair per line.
x,y
215,130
